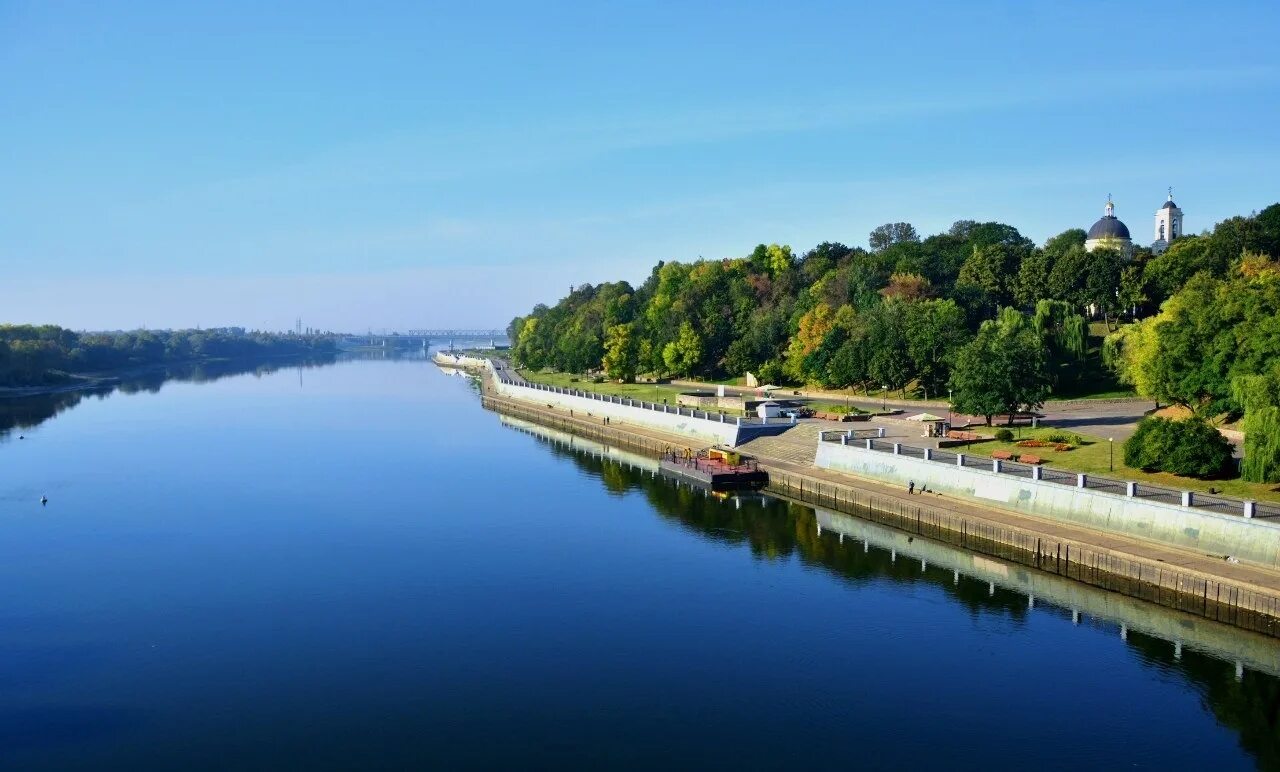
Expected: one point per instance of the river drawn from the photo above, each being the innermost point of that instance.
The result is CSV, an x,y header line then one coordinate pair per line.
x,y
355,566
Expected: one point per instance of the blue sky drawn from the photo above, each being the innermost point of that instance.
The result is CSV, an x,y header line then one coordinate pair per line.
x,y
418,164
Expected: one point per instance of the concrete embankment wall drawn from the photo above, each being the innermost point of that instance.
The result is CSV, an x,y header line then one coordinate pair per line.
x,y
1247,539
685,422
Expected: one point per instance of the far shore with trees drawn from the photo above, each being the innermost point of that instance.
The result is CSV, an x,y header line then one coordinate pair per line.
x,y
980,311
36,358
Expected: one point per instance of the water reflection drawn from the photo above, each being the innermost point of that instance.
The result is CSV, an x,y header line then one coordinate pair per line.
x,y
1235,670
18,414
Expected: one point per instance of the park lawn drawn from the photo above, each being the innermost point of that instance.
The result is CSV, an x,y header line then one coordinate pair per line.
x,y
650,392
1092,458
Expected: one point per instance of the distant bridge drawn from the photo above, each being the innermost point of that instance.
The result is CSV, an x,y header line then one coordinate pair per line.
x,y
421,338
459,333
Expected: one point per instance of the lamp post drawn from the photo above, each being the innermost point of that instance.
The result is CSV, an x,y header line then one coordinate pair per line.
x,y
1111,453
948,408
884,396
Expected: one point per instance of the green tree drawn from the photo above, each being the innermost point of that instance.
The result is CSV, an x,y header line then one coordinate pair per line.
x,y
621,352
935,331
1191,448
892,233
682,355
991,269
1002,370
1259,397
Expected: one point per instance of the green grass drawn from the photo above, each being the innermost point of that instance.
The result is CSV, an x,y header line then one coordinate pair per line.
x,y
829,406
650,392
1092,457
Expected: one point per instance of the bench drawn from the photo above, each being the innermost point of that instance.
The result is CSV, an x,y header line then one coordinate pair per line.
x,y
1027,458
1003,455
959,435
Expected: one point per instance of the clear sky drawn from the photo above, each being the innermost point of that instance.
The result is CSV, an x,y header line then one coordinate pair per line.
x,y
419,164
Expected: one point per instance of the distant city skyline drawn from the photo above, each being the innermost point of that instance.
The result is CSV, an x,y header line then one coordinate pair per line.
x,y
407,166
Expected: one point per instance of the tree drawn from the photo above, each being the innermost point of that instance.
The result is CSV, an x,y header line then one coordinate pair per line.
x,y
1002,370
1259,397
991,269
1191,448
1165,274
935,330
892,233
908,286
813,328
683,354
621,352
1210,332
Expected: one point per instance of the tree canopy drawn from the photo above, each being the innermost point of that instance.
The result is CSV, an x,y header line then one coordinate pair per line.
x,y
908,312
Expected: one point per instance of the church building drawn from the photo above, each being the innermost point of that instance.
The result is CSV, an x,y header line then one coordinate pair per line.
x,y
1110,232
1168,225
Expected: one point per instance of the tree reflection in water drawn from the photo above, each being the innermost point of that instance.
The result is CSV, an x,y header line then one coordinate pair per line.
x,y
775,528
21,413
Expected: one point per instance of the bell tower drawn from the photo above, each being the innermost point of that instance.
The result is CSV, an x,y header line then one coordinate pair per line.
x,y
1168,225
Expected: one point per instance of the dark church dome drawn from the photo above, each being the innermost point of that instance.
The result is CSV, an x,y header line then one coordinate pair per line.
x,y
1109,227
1169,205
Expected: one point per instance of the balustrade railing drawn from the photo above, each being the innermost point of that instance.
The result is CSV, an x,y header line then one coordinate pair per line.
x,y
868,439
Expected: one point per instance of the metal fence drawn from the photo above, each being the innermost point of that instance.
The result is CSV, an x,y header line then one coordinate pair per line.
x,y
1195,499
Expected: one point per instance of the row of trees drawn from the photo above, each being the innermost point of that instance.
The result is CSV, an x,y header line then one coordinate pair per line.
x,y
34,355
1214,348
978,309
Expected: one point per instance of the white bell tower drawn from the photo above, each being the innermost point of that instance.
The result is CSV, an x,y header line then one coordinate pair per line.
x,y
1168,225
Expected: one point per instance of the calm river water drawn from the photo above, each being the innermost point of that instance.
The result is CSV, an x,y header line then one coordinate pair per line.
x,y
355,566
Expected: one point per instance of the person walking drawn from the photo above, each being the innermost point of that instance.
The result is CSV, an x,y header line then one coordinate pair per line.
x,y
911,487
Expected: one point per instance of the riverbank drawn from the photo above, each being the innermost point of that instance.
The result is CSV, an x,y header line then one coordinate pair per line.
x,y
109,379
1243,595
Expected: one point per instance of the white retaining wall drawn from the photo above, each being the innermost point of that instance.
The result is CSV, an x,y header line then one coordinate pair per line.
x,y
1247,539
620,409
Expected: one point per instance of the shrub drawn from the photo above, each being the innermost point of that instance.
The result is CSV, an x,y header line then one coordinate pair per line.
x,y
1004,435
1191,448
1059,437
597,379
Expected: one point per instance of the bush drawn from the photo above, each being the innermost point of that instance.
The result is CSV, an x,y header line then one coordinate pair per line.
x,y
1064,437
1004,435
1191,448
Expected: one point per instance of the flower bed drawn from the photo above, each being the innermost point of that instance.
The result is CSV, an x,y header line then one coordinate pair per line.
x,y
1058,446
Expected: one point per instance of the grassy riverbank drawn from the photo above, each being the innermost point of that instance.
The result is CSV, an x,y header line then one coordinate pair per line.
x,y
1093,456
651,392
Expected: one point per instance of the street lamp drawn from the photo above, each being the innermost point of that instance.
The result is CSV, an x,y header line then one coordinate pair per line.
x,y
884,396
948,408
1111,453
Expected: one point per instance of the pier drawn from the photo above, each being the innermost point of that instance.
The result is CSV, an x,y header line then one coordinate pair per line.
x,y
714,469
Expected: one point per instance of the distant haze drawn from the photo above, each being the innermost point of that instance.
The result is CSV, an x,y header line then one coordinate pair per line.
x,y
400,166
